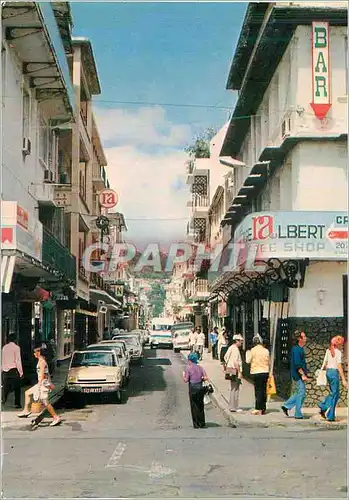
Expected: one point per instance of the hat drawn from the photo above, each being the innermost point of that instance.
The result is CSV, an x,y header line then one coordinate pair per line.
x,y
257,338
193,357
238,337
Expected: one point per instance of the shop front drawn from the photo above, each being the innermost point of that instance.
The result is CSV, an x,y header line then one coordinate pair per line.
x,y
287,274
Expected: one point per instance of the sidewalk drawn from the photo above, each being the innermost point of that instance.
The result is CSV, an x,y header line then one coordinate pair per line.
x,y
9,412
274,417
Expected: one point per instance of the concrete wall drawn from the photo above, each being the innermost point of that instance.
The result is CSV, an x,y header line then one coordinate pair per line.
x,y
307,301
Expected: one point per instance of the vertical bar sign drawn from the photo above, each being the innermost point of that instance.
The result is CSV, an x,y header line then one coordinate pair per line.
x,y
321,84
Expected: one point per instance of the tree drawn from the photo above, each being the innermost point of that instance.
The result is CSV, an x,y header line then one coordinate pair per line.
x,y
200,147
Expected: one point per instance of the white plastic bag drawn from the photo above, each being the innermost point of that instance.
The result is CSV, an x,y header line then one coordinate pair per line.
x,y
321,380
207,399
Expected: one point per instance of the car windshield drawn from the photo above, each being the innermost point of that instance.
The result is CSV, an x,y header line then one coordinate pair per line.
x,y
182,326
182,333
162,327
93,358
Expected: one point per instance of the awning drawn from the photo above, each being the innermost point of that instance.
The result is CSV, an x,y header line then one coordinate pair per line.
x,y
7,268
104,296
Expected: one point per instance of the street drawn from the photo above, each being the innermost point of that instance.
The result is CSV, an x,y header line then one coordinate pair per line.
x,y
147,447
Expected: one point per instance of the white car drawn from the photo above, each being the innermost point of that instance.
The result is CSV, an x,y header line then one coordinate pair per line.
x,y
180,339
95,371
120,350
133,344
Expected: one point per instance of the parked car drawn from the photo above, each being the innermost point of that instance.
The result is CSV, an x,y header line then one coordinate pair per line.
x,y
95,371
140,334
121,353
118,340
136,349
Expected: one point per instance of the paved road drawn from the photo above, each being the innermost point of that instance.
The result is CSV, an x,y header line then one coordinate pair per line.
x,y
147,448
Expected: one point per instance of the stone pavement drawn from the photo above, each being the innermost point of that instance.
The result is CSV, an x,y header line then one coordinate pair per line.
x,y
274,416
9,412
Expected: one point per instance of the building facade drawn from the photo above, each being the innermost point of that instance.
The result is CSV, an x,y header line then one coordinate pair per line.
x,y
288,215
53,171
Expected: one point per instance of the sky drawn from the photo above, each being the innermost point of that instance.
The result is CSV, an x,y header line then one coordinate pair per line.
x,y
163,69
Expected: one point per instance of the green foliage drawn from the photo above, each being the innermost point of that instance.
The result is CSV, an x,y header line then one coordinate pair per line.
x,y
200,147
156,298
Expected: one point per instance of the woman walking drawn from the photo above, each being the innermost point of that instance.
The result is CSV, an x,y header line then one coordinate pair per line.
x,y
259,359
333,365
41,390
194,375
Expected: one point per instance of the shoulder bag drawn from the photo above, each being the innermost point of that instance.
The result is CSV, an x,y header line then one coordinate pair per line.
x,y
230,372
321,379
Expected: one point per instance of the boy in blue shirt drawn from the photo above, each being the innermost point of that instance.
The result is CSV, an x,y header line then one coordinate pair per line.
x,y
214,341
299,373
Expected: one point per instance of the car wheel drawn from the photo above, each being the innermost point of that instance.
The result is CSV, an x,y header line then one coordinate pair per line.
x,y
176,350
118,396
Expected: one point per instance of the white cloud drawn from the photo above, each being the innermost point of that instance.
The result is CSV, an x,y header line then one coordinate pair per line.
x,y
146,184
146,166
147,126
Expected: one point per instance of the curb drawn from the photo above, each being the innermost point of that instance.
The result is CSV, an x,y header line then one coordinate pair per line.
x,y
219,400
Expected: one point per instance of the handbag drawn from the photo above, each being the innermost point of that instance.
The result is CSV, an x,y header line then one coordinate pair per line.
x,y
271,386
230,372
208,388
321,379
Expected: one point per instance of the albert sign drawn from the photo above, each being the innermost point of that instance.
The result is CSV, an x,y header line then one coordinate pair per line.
x,y
321,84
108,198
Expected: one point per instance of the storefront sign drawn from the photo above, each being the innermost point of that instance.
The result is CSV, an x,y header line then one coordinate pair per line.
x,y
20,230
321,97
22,217
108,198
293,235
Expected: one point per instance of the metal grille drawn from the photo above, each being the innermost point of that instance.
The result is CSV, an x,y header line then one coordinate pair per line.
x,y
249,327
200,185
200,229
283,345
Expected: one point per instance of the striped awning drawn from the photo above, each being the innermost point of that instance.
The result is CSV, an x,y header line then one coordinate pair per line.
x,y
7,268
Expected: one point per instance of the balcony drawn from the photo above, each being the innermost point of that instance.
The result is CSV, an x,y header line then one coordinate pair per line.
x,y
63,195
99,177
58,257
44,194
199,201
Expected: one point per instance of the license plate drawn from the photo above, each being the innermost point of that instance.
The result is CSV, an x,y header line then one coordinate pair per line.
x,y
92,389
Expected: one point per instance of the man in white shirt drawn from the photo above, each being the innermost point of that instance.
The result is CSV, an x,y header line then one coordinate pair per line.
x,y
12,370
192,340
200,343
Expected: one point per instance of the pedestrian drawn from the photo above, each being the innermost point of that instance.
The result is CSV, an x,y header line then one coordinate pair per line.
x,y
233,371
223,344
214,342
200,343
191,339
194,340
333,365
299,373
195,375
259,359
41,390
12,370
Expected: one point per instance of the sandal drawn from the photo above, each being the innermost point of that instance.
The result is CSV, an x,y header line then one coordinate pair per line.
x,y
24,415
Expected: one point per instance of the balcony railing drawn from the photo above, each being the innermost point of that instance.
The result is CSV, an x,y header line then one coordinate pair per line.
x,y
58,257
200,201
201,286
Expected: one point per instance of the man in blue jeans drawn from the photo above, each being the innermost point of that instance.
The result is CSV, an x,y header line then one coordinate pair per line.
x,y
299,373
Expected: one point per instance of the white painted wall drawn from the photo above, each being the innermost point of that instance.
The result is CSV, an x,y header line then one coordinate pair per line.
x,y
21,174
327,276
320,176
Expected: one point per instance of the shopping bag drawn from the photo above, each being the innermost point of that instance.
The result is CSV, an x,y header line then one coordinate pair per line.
x,y
271,387
207,399
321,380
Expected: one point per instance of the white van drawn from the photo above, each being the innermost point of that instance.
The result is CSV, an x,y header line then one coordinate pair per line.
x,y
161,335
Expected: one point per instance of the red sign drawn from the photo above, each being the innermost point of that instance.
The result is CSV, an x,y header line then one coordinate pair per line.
x,y
338,234
22,217
7,235
108,198
262,227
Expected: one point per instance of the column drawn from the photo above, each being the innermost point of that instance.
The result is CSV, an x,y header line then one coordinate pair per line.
x,y
60,334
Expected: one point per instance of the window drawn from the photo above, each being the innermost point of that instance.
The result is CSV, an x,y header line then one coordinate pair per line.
x,y
26,115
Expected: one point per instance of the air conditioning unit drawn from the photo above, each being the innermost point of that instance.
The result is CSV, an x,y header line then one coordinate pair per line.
x,y
286,127
26,146
49,176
